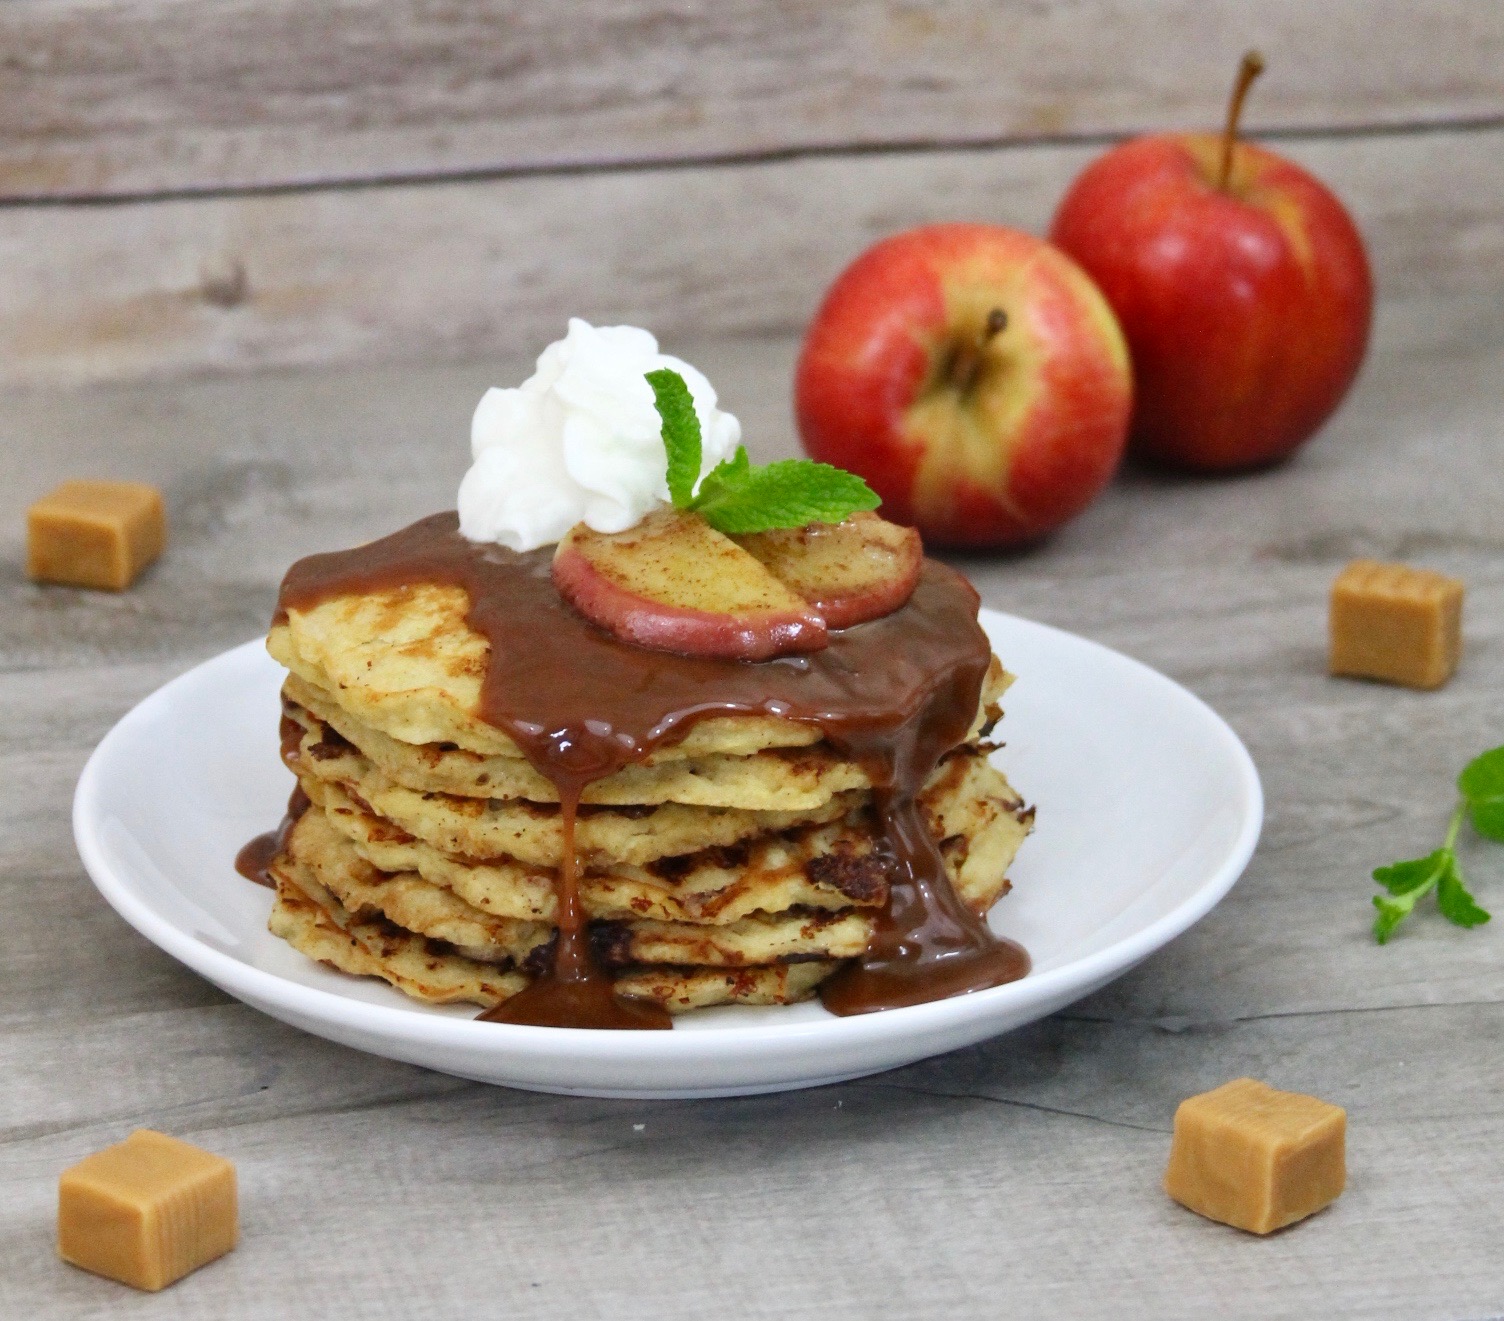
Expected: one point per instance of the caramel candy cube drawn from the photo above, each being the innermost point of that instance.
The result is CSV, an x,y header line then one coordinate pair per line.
x,y
1256,1158
1393,622
147,1210
95,534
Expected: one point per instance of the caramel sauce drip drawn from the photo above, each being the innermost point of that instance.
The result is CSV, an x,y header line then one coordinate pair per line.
x,y
576,991
895,693
255,859
927,945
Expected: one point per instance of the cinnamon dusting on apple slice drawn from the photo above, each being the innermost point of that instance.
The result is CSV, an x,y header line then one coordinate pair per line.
x,y
859,569
673,583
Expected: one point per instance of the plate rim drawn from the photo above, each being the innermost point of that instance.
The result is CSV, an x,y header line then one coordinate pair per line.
x,y
263,987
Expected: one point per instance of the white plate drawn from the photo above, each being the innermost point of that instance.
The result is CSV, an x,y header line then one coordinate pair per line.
x,y
1149,809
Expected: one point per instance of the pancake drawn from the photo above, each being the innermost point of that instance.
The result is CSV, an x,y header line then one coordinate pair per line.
x,y
970,806
416,905
313,922
827,867
784,779
404,662
531,832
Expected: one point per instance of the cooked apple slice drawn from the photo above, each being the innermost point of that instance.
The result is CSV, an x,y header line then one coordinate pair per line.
x,y
674,583
849,572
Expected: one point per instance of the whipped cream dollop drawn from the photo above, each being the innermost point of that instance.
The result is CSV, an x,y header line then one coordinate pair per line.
x,y
580,441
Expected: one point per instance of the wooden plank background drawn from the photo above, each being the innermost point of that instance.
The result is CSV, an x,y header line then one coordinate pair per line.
x,y
466,270
188,188
161,96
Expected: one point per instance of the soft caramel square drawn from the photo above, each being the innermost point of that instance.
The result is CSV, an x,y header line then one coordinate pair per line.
x,y
95,534
1396,623
1256,1158
146,1211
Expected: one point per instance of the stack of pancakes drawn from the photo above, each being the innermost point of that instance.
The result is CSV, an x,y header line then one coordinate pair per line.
x,y
738,865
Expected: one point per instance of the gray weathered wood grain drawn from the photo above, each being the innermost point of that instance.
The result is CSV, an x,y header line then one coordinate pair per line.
x,y
464,270
155,95
1019,1177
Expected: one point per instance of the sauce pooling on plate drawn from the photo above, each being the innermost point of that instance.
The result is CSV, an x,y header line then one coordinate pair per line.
x,y
254,860
894,694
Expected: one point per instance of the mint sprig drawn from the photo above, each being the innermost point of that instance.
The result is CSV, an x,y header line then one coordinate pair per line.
x,y
681,433
736,497
1481,786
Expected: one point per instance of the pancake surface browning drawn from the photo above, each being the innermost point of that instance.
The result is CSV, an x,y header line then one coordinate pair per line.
x,y
739,861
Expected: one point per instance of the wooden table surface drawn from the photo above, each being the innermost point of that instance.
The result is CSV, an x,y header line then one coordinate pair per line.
x,y
1016,1179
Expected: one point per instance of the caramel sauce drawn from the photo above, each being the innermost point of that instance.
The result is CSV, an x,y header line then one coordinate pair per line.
x,y
576,991
895,693
255,859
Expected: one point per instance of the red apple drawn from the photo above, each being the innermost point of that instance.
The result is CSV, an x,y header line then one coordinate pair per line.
x,y
849,572
1246,299
974,376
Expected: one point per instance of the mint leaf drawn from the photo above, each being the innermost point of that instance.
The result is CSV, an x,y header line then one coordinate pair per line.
x,y
1407,882
1482,785
737,498
1456,904
681,433
1391,913
1414,877
729,473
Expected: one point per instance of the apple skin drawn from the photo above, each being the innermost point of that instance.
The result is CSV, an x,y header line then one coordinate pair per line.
x,y
673,583
849,572
1028,445
1247,311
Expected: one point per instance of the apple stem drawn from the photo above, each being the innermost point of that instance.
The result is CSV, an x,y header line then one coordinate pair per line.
x,y
1248,70
966,366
